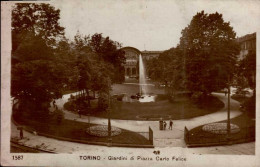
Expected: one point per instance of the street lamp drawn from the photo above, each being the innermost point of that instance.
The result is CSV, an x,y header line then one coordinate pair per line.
x,y
109,122
228,110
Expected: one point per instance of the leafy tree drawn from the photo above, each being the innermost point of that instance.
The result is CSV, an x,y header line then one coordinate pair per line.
x,y
37,77
209,52
35,83
40,19
93,71
168,69
109,51
247,67
32,47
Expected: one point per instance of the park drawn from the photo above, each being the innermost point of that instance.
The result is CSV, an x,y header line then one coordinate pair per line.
x,y
198,93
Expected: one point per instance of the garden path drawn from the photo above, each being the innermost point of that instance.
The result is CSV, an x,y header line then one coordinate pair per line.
x,y
167,137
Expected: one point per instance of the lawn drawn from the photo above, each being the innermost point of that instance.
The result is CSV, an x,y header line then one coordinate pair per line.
x,y
176,110
73,130
161,108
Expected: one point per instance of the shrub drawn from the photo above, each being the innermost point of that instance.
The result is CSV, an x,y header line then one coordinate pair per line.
x,y
197,97
58,116
70,106
249,106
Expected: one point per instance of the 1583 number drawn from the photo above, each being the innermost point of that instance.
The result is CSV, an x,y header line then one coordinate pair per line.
x,y
17,157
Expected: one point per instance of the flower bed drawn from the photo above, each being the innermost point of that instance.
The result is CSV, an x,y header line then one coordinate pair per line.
x,y
220,128
102,131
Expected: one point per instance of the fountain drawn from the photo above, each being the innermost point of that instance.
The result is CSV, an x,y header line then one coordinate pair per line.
x,y
143,95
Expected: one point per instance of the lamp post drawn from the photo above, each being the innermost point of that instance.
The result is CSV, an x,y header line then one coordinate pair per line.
x,y
228,110
109,122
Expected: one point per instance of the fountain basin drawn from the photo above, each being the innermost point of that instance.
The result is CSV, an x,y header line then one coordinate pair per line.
x,y
147,98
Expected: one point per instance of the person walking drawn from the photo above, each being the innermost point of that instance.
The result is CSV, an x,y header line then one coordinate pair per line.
x,y
79,112
170,124
164,125
226,91
21,132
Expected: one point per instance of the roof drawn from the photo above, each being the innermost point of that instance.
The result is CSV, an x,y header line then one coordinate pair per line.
x,y
131,48
246,37
152,52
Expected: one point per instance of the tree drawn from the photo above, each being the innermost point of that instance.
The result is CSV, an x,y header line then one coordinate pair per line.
x,y
209,51
167,69
36,75
31,47
109,51
35,83
40,19
247,71
247,67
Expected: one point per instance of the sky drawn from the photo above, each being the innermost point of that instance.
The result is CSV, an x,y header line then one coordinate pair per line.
x,y
154,24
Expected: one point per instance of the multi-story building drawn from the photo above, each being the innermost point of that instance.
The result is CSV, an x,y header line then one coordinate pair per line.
x,y
247,43
132,56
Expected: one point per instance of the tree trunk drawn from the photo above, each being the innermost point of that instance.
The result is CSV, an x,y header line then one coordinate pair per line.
x,y
88,98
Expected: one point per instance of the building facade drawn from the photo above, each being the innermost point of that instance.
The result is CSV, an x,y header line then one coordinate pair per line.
x,y
247,43
132,56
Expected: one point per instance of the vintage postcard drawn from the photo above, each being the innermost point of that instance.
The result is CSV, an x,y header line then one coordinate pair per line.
x,y
130,83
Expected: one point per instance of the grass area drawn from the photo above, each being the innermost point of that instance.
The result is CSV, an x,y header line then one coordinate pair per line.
x,y
163,108
182,109
177,110
246,133
77,130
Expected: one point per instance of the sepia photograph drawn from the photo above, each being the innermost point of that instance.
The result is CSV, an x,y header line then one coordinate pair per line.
x,y
133,83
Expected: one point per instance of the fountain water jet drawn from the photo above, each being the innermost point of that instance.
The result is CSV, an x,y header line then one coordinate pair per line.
x,y
144,97
142,82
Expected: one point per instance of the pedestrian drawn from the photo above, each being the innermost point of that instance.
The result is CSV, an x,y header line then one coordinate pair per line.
x,y
79,112
170,124
226,91
21,132
164,125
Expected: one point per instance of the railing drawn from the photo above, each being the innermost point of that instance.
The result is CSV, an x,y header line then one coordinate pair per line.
x,y
186,135
150,135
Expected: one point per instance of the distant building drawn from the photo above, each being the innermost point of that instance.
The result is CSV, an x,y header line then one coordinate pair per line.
x,y
132,56
247,43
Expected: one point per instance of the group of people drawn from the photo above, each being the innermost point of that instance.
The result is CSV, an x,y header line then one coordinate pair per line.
x,y
165,124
